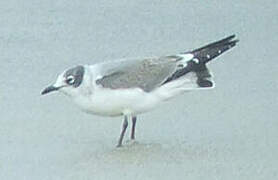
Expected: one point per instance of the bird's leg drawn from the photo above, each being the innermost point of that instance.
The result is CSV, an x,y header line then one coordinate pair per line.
x,y
133,127
125,124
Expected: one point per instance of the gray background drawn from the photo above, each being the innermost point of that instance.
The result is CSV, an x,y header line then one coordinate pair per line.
x,y
229,132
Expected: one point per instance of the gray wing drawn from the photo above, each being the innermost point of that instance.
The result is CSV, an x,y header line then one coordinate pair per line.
x,y
146,74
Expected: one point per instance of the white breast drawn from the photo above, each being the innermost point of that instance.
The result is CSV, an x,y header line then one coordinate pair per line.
x,y
109,102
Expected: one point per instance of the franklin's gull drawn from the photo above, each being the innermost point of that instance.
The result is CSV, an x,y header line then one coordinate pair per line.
x,y
131,87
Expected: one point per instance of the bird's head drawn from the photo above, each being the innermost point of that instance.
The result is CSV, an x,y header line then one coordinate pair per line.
x,y
68,82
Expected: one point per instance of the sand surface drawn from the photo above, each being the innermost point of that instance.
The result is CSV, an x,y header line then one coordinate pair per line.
x,y
229,132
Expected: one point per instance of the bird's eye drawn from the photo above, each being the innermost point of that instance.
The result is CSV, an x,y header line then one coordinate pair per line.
x,y
70,80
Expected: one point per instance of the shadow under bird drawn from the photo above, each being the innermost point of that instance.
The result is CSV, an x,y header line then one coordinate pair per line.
x,y
131,87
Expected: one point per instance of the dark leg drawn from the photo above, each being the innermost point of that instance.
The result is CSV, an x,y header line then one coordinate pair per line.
x,y
133,127
125,123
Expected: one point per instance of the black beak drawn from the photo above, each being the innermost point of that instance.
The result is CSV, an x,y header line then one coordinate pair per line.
x,y
49,89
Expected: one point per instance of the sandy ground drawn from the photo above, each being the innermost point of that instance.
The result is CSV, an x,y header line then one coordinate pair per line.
x,y
229,132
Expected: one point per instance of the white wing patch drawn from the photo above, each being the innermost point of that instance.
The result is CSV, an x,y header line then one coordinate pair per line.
x,y
186,57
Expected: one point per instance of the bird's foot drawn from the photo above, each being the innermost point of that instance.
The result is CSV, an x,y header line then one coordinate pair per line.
x,y
119,145
131,142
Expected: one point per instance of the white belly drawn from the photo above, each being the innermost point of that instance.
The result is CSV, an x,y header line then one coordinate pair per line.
x,y
108,102
111,102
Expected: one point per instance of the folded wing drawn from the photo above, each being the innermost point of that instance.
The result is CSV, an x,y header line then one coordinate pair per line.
x,y
147,73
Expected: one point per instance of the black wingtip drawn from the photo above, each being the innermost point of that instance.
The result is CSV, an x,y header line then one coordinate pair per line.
x,y
236,41
204,83
218,43
212,50
204,55
230,37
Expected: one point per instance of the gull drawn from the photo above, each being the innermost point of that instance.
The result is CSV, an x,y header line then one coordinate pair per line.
x,y
129,87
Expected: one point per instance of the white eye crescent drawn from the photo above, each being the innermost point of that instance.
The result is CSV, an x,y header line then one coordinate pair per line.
x,y
70,79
